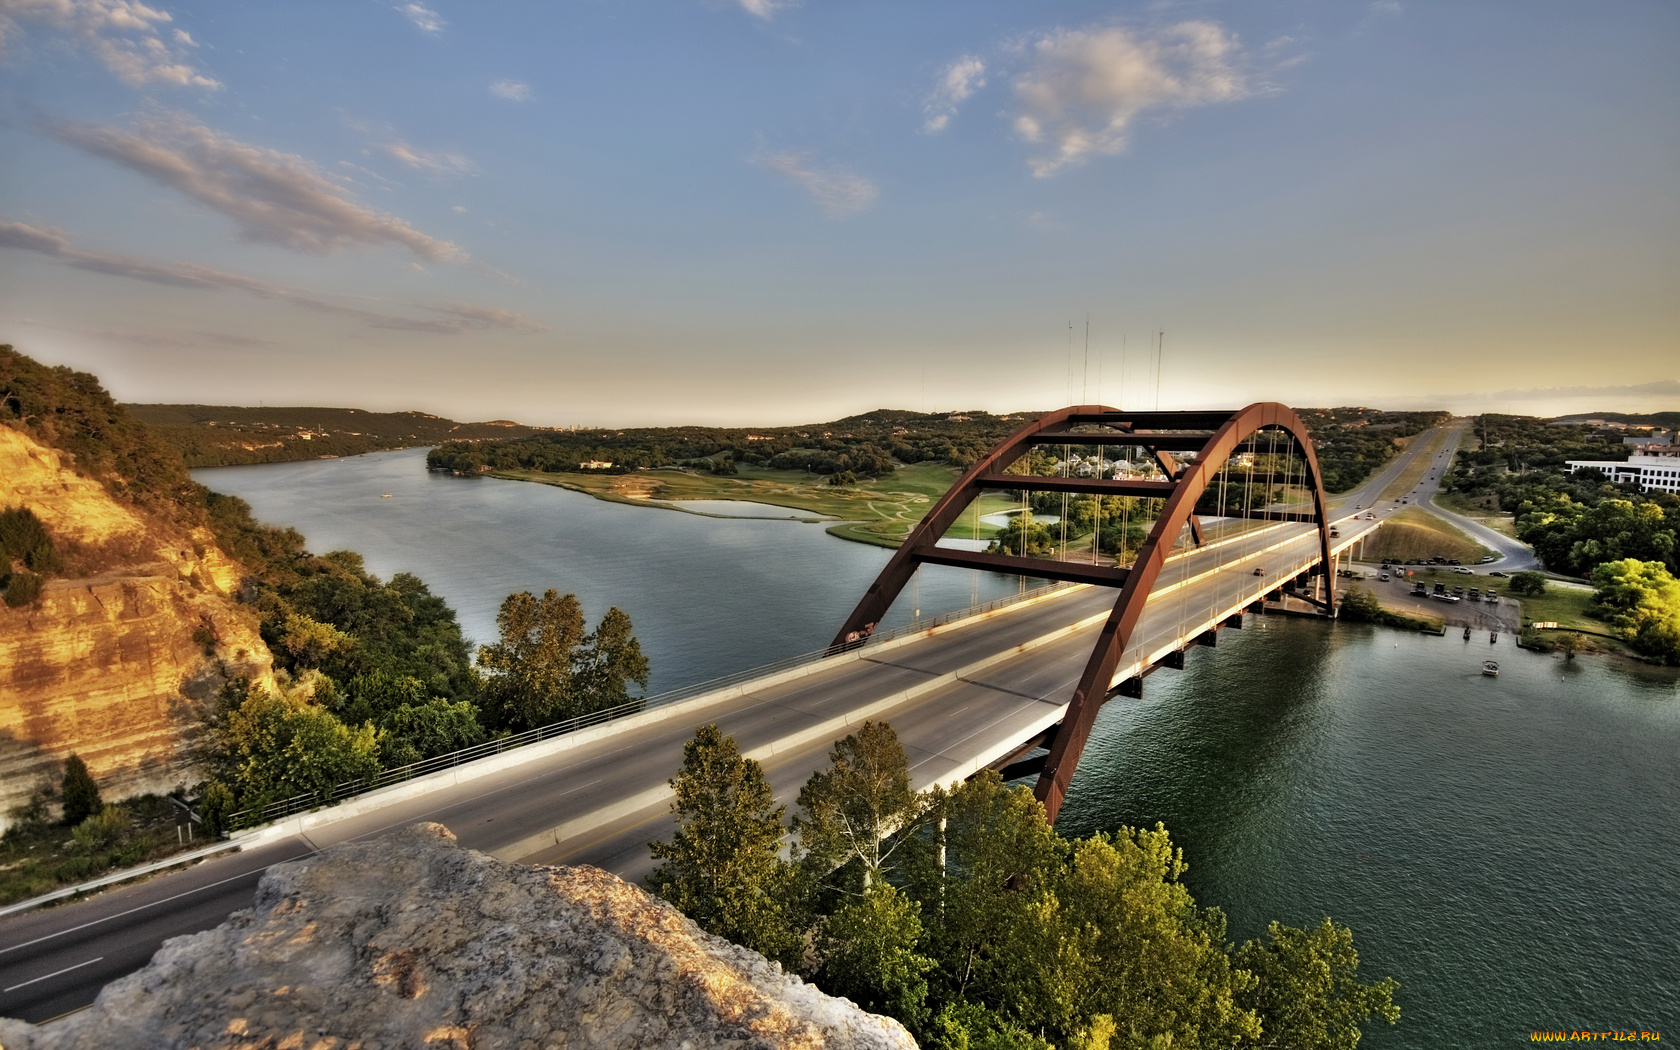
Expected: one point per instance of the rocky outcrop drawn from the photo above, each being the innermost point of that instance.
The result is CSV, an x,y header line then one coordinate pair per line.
x,y
410,941
115,666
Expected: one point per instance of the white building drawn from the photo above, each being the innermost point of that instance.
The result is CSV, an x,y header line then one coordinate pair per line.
x,y
1658,473
1656,437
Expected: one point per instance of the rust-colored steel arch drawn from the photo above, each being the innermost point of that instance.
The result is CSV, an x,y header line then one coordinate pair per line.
x,y
1163,433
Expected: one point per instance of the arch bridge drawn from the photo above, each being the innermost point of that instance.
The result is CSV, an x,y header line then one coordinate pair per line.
x,y
1190,460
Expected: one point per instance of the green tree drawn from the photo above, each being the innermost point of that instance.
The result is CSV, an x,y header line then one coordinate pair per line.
x,y
723,867
1116,933
1360,605
1023,536
1307,991
607,662
309,642
983,856
437,727
79,792
964,1025
868,952
1641,600
530,668
215,808
849,809
275,746
1532,584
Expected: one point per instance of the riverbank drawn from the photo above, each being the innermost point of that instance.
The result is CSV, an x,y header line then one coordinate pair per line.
x,y
879,511
1502,846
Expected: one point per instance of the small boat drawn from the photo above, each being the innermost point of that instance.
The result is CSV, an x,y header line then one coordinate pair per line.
x,y
1491,668
384,495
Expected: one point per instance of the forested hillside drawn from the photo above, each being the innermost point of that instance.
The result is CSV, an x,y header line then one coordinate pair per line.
x,y
222,435
1351,442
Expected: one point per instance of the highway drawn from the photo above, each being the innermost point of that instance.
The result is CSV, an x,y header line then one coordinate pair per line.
x,y
1513,555
961,697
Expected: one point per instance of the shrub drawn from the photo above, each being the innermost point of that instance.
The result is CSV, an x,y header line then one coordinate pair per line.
x,y
215,808
1529,583
102,829
23,588
81,794
23,538
73,869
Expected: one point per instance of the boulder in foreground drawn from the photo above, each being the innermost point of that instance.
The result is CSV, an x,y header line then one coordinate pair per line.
x,y
411,941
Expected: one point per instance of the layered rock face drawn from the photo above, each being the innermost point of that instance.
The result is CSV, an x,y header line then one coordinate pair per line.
x,y
113,667
410,941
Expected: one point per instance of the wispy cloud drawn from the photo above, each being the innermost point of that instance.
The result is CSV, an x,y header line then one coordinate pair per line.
x,y
276,198
453,318
838,193
765,9
428,162
512,90
957,82
126,36
1086,88
423,17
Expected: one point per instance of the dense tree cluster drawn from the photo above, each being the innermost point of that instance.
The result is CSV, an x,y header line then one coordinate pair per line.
x,y
868,445
372,673
224,435
1641,602
964,915
378,674
1350,443
1574,522
69,411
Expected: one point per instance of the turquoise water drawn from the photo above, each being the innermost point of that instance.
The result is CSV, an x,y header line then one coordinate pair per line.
x,y
1507,848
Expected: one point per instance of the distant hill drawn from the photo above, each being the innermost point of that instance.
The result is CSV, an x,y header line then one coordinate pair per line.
x,y
227,435
1632,419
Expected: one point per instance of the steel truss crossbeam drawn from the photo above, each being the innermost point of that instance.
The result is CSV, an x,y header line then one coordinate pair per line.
x,y
1183,487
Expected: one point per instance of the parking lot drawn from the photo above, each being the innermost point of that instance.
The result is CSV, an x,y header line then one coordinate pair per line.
x,y
1397,593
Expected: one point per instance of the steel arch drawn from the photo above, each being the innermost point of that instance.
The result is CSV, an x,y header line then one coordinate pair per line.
x,y
1163,432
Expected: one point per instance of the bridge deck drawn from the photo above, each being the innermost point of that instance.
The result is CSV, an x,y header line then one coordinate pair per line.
x,y
961,698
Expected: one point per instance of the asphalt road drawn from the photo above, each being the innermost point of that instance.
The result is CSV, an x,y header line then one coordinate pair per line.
x,y
1513,555
601,802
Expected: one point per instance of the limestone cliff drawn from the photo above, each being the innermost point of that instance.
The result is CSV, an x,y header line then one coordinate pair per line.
x,y
410,941
112,665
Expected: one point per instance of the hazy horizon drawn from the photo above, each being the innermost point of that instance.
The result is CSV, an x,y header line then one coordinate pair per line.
x,y
767,211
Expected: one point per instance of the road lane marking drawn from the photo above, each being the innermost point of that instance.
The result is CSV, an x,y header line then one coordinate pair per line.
x,y
50,976
153,904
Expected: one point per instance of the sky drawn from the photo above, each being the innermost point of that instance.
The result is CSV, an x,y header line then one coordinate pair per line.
x,y
616,212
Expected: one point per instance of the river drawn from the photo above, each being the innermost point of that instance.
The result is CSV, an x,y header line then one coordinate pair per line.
x,y
1507,848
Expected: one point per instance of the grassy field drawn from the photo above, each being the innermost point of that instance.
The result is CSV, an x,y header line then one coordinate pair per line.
x,y
1483,510
1415,533
880,511
1571,609
1409,478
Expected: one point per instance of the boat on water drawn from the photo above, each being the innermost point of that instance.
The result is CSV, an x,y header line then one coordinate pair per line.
x,y
1491,668
384,495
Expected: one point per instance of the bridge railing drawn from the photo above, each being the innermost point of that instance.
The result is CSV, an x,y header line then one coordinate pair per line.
x,y
283,808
